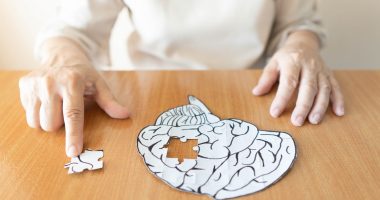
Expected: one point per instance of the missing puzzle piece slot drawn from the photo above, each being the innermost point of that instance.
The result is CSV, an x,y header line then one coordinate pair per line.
x,y
182,149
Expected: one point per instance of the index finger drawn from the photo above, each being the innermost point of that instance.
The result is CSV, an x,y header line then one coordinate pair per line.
x,y
73,115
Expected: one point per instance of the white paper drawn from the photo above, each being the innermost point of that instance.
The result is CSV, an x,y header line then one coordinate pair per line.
x,y
234,157
88,160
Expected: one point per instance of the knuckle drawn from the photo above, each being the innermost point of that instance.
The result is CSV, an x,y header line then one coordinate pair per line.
x,y
311,87
47,84
72,80
270,68
282,98
75,136
335,85
71,77
304,106
47,79
338,97
326,88
326,73
297,55
74,114
322,104
313,66
268,71
291,81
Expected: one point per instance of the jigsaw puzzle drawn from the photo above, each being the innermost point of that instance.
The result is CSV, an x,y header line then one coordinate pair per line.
x,y
235,158
88,160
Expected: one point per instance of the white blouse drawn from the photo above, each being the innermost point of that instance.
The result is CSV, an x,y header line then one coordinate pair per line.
x,y
184,34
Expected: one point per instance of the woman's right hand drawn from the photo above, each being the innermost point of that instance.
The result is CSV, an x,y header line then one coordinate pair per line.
x,y
54,95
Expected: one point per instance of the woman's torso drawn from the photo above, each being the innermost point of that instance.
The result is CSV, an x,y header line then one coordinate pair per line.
x,y
198,34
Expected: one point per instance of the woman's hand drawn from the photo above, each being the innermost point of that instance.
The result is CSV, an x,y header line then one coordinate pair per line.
x,y
54,95
298,65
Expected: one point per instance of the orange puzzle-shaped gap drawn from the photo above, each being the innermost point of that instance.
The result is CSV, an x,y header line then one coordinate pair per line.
x,y
181,150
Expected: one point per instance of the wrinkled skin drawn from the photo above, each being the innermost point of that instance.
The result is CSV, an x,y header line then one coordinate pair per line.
x,y
55,94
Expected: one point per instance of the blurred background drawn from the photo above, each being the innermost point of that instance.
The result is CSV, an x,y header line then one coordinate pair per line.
x,y
353,33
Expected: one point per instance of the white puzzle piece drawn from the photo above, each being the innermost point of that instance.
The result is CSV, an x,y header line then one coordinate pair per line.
x,y
234,157
88,160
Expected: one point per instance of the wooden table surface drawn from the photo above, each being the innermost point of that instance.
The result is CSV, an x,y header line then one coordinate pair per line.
x,y
338,159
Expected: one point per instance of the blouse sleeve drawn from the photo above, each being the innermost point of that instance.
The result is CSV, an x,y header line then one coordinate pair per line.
x,y
293,15
87,22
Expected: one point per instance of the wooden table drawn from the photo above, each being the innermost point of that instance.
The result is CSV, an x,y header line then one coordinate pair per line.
x,y
338,159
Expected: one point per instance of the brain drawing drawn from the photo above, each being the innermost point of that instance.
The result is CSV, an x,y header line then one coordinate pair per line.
x,y
234,157
88,160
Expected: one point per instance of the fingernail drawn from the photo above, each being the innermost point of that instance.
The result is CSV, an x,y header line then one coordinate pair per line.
x,y
255,91
340,111
299,121
71,151
275,112
315,118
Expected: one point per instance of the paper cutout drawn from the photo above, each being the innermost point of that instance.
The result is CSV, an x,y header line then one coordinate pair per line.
x,y
234,157
88,160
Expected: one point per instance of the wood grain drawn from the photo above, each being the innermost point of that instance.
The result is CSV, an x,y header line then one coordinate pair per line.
x,y
338,159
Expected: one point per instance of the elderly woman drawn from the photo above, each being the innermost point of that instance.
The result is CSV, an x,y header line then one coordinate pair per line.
x,y
197,34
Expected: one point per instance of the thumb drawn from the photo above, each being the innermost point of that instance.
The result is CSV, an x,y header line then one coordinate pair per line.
x,y
107,101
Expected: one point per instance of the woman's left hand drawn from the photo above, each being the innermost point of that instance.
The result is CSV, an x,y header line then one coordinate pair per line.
x,y
298,65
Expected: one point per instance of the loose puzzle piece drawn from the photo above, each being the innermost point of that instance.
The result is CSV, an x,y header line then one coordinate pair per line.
x,y
88,160
234,158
